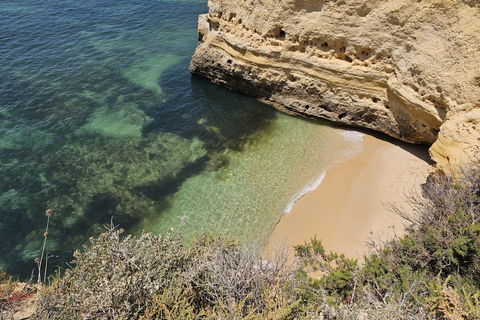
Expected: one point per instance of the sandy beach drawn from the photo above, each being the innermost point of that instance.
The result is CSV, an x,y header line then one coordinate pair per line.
x,y
348,206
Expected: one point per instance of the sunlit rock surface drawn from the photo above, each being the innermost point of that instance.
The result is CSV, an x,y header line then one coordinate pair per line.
x,y
408,68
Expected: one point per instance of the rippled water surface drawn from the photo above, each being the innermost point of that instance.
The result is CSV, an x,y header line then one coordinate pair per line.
x,y
100,118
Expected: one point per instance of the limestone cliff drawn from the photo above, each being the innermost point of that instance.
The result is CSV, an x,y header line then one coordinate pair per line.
x,y
408,68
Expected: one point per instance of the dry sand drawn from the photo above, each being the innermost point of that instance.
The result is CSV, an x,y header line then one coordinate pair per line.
x,y
348,205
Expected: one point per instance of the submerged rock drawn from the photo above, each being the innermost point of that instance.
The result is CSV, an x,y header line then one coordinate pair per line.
x,y
128,175
407,68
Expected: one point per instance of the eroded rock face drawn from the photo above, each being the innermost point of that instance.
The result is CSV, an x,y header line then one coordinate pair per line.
x,y
408,68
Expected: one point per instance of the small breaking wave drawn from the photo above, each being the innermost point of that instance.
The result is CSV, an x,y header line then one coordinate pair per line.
x,y
352,136
311,185
355,138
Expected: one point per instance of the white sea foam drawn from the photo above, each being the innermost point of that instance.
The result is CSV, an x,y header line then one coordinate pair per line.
x,y
311,185
353,137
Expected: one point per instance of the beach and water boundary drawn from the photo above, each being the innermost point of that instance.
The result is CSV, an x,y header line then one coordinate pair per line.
x,y
349,204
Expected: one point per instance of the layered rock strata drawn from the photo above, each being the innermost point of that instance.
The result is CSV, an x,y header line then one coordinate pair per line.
x,y
408,68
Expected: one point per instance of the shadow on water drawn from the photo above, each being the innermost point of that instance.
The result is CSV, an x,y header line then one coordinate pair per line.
x,y
206,110
160,190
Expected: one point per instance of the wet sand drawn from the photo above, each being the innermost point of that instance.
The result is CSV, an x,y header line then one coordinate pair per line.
x,y
348,206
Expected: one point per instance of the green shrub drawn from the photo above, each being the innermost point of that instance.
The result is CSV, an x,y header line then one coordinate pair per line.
x,y
445,233
175,302
440,248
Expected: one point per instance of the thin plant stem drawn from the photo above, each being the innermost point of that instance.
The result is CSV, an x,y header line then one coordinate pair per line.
x,y
46,263
43,250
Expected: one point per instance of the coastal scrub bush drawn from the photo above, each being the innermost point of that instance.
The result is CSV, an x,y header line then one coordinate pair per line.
x,y
337,271
441,243
444,234
114,277
346,289
155,277
238,280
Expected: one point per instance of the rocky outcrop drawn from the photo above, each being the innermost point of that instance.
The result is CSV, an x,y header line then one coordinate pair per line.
x,y
408,68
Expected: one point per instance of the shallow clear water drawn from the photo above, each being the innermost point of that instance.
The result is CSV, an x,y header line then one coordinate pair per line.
x,y
100,118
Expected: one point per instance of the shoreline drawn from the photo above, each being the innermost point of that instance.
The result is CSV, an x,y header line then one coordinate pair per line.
x,y
347,209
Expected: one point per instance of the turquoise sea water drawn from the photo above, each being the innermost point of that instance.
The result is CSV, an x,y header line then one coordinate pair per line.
x,y
100,119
